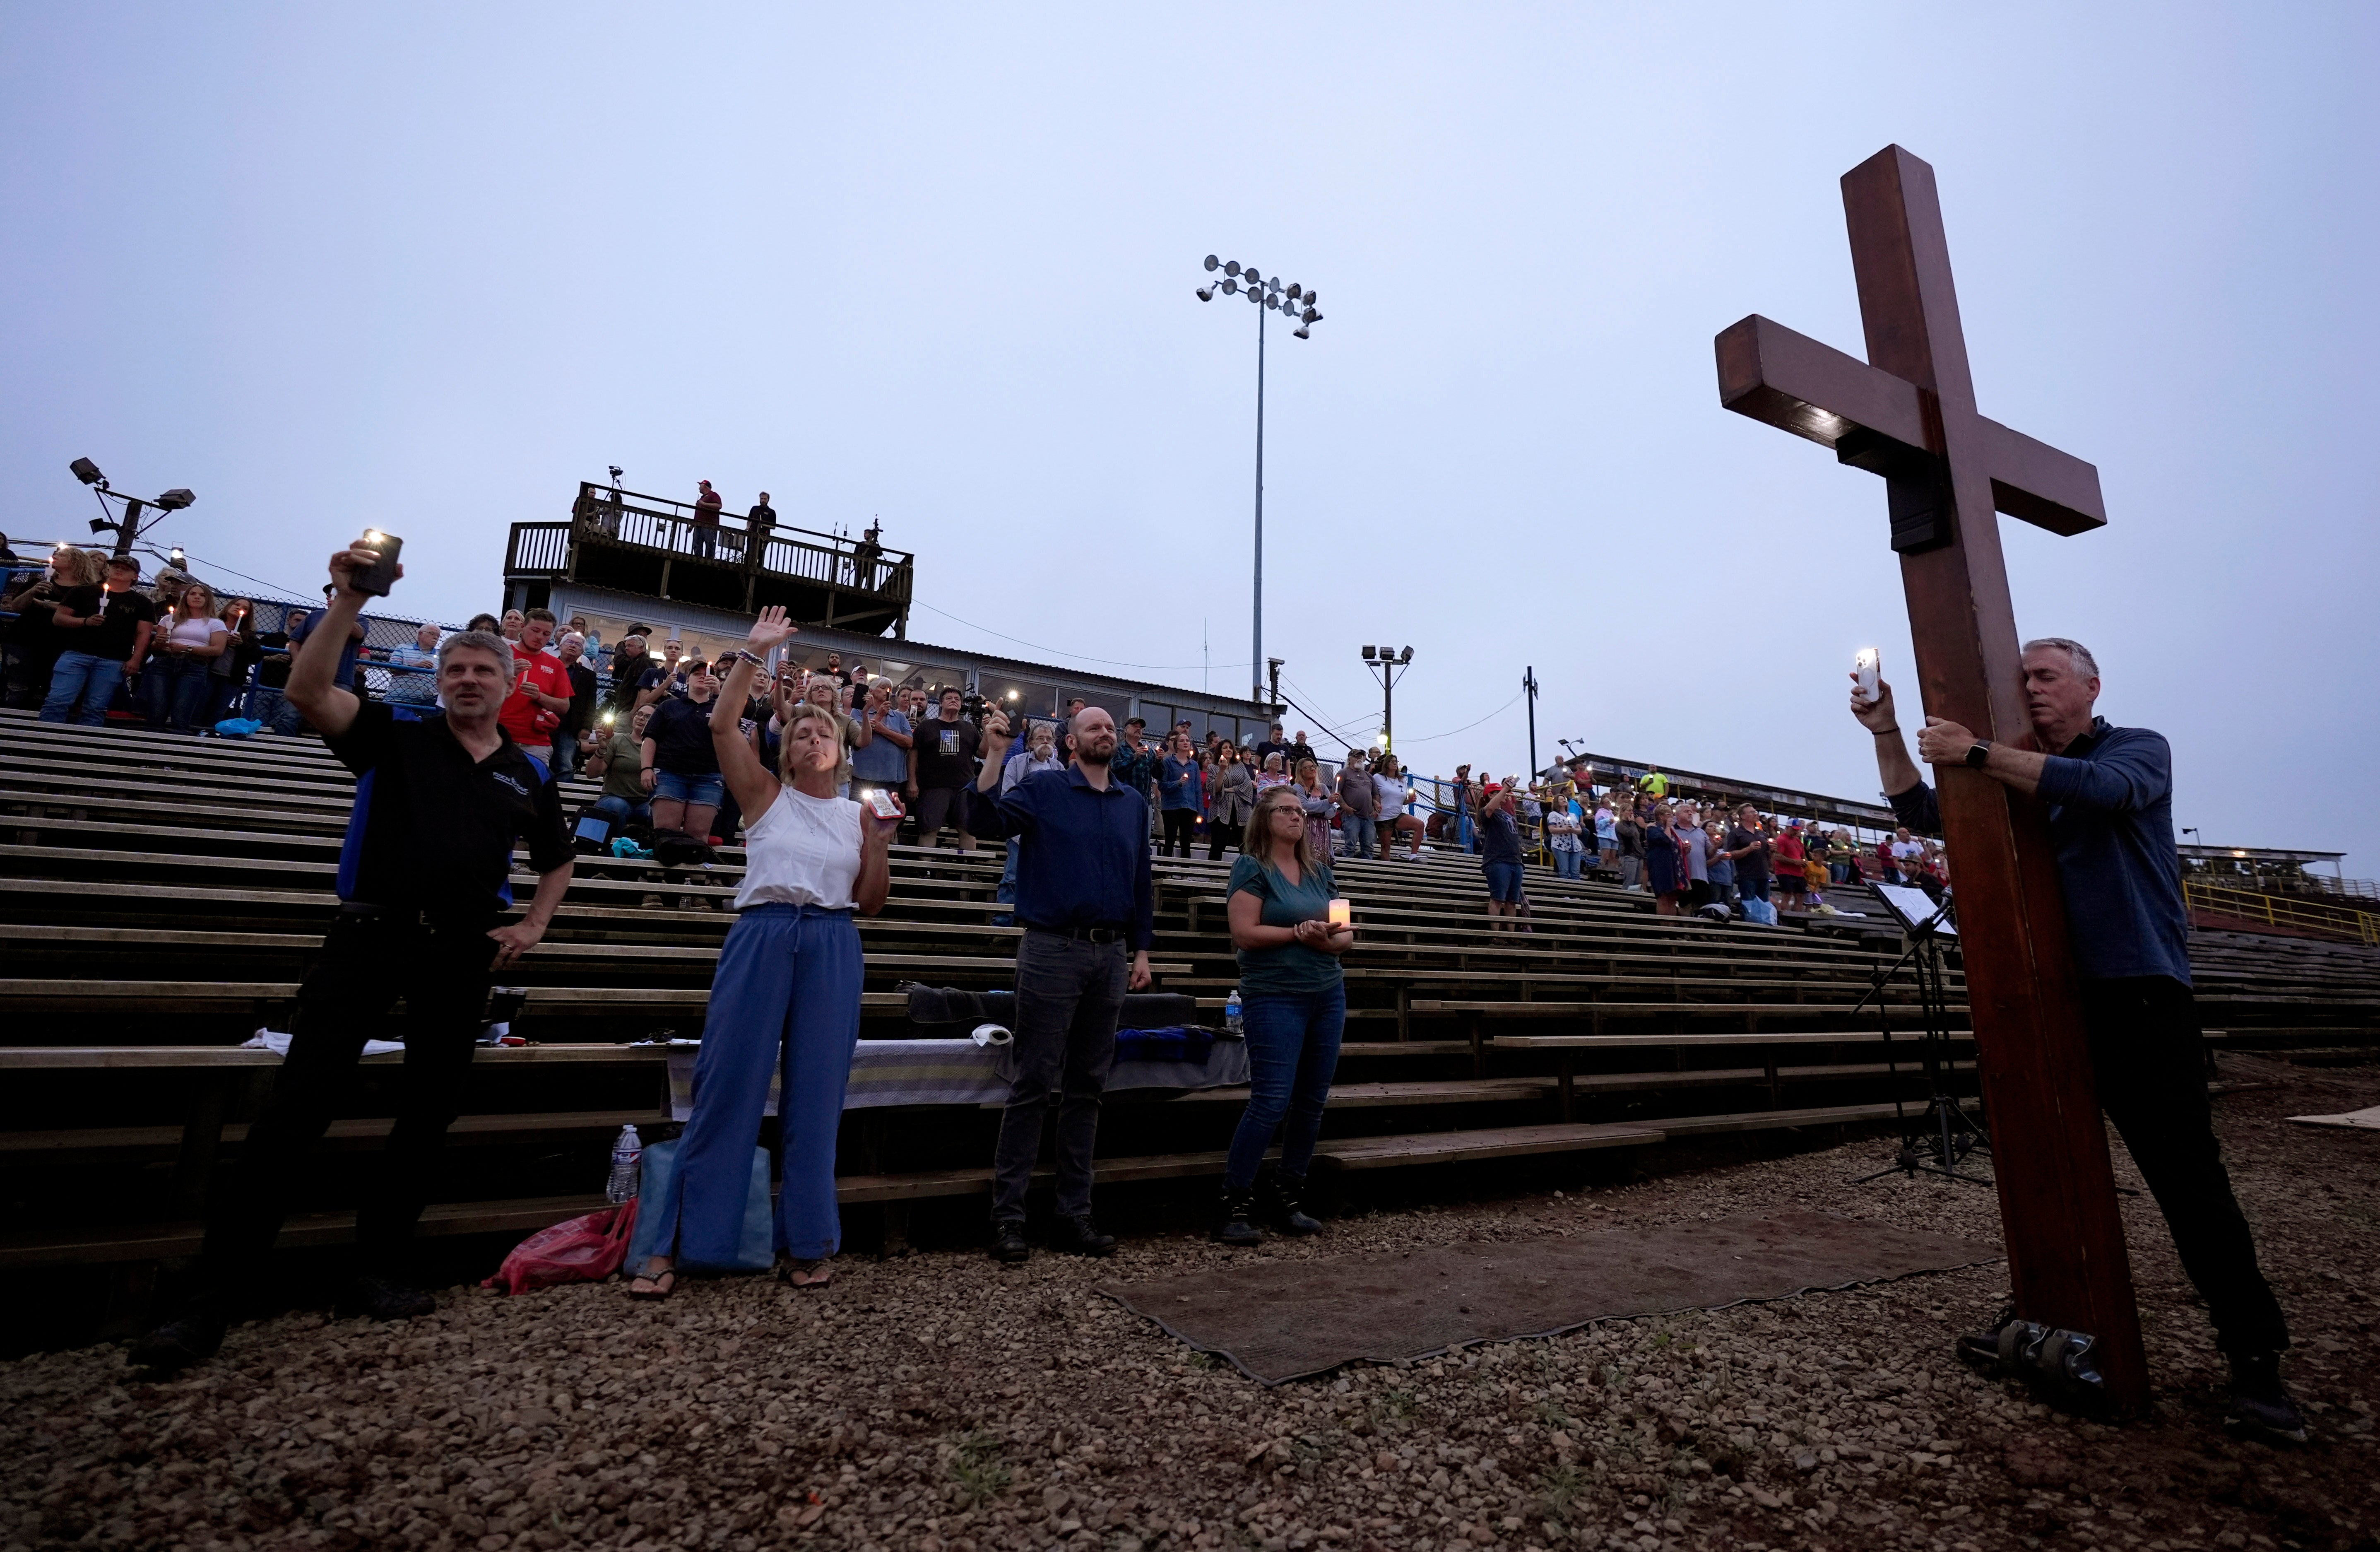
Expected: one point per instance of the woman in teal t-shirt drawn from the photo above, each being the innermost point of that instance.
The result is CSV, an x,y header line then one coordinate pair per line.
x,y
1293,1003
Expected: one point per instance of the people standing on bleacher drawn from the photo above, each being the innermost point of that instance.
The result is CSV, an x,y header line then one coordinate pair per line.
x,y
1499,854
413,678
584,690
681,768
179,675
1177,786
105,630
1087,901
424,883
227,675
540,694
1294,1007
784,1001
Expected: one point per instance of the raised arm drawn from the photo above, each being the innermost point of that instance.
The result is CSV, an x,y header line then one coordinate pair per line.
x,y
755,785
314,669
1893,766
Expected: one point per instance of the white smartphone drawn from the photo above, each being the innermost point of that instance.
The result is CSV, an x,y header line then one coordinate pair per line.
x,y
1869,670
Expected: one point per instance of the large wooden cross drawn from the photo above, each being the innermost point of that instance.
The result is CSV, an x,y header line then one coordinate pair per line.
x,y
1908,413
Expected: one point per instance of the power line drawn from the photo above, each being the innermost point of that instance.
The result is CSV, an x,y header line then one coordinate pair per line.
x,y
1061,652
1468,725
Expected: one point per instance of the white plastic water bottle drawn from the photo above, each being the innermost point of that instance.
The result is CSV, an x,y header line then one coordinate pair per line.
x,y
626,1155
1231,1012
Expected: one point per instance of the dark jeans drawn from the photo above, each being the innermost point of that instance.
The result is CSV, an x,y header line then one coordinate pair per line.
x,y
1755,885
2150,1060
1293,1051
1069,995
174,692
1178,823
1218,836
368,961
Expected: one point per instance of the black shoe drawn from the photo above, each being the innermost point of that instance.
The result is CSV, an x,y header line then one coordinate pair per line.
x,y
191,1337
2261,1405
1237,1224
1078,1236
379,1298
1008,1246
1284,1198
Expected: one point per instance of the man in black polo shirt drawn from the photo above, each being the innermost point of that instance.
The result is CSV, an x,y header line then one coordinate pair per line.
x,y
424,882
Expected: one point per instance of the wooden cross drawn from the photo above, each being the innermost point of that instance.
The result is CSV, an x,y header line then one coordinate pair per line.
x,y
1909,414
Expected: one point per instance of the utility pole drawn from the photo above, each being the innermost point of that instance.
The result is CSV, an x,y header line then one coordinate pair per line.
x,y
1272,672
1529,683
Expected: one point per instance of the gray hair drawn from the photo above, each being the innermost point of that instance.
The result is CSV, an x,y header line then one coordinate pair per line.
x,y
477,640
2084,664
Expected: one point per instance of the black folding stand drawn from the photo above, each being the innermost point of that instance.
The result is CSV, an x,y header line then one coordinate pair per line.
x,y
1946,1135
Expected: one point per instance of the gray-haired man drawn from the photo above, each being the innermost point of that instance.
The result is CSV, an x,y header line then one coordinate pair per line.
x,y
2110,796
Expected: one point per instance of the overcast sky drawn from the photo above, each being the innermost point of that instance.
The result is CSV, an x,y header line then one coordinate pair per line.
x,y
428,268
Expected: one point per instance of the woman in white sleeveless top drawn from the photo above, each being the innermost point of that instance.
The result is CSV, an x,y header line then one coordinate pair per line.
x,y
785,997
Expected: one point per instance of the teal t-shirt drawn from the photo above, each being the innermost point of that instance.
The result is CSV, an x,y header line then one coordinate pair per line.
x,y
1292,969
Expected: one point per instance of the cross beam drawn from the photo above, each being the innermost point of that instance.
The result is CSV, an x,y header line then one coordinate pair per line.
x,y
1908,413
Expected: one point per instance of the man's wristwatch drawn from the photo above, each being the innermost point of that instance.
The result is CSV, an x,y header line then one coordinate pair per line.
x,y
1979,756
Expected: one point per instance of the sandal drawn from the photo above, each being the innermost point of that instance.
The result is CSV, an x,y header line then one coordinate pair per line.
x,y
804,1274
664,1283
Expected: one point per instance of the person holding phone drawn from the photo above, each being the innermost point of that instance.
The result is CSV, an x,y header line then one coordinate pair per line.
x,y
425,886
1087,901
785,997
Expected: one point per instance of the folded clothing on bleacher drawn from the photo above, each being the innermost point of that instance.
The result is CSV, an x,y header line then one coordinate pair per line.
x,y
1173,1043
886,1072
952,1005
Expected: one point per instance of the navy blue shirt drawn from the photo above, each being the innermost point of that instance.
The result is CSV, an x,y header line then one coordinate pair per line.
x,y
2111,797
1082,859
1499,838
345,677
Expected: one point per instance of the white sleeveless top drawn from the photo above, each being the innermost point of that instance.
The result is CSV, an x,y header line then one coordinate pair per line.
x,y
802,850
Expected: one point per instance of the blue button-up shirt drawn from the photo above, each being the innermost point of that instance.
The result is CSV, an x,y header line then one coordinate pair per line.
x,y
1082,858
2111,797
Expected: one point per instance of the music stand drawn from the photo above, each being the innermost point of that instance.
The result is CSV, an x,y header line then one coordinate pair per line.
x,y
1946,1136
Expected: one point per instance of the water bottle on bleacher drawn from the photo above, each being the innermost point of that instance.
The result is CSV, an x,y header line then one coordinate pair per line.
x,y
1231,1012
626,1155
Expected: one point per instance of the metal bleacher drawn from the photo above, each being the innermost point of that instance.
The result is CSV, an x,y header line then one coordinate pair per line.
x,y
161,896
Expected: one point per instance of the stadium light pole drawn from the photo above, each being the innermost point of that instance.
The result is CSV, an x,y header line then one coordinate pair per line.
x,y
1387,663
1296,302
128,527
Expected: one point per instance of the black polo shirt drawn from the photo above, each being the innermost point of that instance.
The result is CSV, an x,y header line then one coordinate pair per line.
x,y
432,828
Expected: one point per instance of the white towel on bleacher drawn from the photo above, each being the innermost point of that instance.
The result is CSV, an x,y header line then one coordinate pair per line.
x,y
278,1043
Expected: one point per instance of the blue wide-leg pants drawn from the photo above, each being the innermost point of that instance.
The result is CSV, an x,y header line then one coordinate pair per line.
x,y
785,998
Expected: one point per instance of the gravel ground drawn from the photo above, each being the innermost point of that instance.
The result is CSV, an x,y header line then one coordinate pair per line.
x,y
938,1403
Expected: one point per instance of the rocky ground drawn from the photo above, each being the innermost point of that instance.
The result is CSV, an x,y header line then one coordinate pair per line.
x,y
936,1402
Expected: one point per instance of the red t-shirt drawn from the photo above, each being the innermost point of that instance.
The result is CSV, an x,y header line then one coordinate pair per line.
x,y
542,672
1789,847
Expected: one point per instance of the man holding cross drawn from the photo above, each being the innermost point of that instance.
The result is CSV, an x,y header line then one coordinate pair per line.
x,y
1908,413
2110,796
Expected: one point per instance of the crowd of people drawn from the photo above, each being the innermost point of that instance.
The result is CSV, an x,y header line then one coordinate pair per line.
x,y
1084,806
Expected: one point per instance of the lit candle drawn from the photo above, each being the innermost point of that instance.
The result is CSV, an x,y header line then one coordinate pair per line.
x,y
1340,915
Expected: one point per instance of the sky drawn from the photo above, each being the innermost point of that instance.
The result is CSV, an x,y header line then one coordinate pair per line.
x,y
427,267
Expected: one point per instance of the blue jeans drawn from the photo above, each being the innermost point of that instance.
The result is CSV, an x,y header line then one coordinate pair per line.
x,y
1358,832
1567,864
1006,893
1503,881
1755,886
86,678
619,810
1293,1051
174,692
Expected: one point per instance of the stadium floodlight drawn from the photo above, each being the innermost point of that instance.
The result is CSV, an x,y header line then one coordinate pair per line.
x,y
1389,664
1294,302
127,526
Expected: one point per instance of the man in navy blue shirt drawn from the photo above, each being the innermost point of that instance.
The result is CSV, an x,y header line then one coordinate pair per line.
x,y
2110,796
1085,899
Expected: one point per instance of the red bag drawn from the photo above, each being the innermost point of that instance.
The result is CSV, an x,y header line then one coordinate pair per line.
x,y
584,1250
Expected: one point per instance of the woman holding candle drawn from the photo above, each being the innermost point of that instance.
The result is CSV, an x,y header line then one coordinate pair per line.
x,y
1289,932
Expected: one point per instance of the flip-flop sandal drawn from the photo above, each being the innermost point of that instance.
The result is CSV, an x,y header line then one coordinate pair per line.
x,y
665,1284
804,1274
